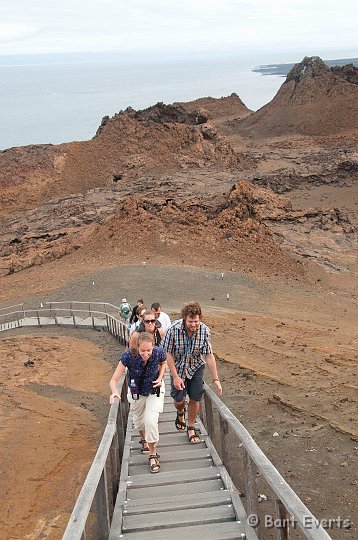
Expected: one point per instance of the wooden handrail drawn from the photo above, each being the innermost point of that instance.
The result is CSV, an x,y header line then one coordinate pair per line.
x,y
10,307
77,522
71,302
283,491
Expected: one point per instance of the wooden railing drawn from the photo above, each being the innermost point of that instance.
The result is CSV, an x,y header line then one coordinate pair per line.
x,y
92,514
289,511
69,316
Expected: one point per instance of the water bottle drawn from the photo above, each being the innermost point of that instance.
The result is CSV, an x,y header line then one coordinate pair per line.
x,y
134,389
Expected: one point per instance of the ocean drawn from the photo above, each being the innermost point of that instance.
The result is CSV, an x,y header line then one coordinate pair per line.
x,y
61,98
64,99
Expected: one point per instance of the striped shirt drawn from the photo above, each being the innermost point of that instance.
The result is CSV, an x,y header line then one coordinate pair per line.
x,y
189,351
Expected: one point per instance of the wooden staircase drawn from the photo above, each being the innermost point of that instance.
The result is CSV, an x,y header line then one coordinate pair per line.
x,y
191,495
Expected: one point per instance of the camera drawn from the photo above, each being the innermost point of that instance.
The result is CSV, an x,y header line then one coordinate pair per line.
x,y
156,391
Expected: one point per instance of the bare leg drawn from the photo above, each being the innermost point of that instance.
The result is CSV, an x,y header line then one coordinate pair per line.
x,y
180,421
193,411
145,446
153,458
152,448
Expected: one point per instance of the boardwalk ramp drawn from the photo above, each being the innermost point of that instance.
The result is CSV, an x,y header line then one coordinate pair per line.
x,y
192,495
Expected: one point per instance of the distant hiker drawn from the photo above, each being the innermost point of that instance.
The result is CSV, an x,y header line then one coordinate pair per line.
x,y
188,346
162,317
124,310
135,311
146,366
222,275
148,324
227,296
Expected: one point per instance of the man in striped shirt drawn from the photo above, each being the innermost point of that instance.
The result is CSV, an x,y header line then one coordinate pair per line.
x,y
188,346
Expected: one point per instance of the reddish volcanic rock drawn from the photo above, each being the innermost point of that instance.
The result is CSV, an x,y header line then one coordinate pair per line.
x,y
219,108
159,139
314,100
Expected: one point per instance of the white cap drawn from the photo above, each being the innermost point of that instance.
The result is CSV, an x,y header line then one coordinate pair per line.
x,y
124,300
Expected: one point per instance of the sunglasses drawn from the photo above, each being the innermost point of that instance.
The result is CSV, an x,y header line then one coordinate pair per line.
x,y
149,321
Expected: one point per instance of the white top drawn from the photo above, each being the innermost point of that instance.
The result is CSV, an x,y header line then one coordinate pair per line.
x,y
164,320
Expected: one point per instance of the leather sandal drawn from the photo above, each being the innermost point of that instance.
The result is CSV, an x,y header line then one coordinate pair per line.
x,y
154,467
194,436
144,445
181,426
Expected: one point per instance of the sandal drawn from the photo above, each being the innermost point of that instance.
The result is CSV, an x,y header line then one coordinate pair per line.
x,y
154,467
178,423
194,436
144,445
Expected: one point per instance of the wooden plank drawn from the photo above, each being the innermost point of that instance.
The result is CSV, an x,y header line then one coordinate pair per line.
x,y
171,439
102,507
209,418
176,477
173,490
167,428
229,485
167,416
229,530
224,432
175,518
194,500
250,474
143,466
169,455
116,525
282,533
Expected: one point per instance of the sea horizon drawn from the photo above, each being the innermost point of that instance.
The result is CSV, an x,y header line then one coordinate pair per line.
x,y
53,99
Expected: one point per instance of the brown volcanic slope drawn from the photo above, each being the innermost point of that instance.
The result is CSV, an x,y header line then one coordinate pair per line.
x,y
167,174
219,110
314,100
156,140
171,224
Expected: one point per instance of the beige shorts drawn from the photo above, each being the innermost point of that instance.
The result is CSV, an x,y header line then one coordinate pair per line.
x,y
145,412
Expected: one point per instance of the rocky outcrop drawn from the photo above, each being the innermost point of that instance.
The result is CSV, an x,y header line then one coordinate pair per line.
x,y
128,145
218,108
244,227
314,100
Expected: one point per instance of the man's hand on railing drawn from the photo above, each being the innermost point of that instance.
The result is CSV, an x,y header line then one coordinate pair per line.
x,y
113,397
219,389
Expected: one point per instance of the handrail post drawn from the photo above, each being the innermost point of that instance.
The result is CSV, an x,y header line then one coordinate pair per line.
x,y
209,416
283,532
250,471
115,464
224,432
102,507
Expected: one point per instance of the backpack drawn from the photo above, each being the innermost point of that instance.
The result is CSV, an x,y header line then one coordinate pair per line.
x,y
125,309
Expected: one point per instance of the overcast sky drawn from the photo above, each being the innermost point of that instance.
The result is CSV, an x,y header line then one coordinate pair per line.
x,y
53,26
